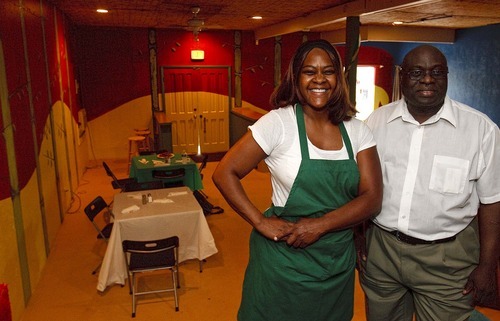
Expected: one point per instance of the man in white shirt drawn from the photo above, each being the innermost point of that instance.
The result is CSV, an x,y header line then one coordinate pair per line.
x,y
441,168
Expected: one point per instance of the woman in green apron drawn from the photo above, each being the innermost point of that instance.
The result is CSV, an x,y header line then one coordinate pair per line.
x,y
326,178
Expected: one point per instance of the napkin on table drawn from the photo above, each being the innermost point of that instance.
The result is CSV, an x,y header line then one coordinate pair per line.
x,y
159,163
130,209
176,193
162,200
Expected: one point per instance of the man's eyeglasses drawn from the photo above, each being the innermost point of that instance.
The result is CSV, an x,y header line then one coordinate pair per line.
x,y
418,74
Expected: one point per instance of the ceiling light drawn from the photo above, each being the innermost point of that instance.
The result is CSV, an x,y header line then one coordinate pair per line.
x,y
102,10
424,19
256,17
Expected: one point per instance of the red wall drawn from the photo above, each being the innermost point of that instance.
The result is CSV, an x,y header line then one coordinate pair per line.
x,y
36,71
113,67
117,61
174,47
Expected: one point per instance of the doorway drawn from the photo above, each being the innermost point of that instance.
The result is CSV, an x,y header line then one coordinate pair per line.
x,y
197,101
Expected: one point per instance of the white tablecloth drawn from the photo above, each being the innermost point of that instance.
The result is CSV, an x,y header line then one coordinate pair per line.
x,y
174,211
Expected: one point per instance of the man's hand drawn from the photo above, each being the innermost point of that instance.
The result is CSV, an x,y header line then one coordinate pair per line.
x,y
483,285
360,245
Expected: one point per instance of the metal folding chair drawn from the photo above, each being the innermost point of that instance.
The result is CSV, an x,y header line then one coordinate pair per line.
x,y
92,210
148,256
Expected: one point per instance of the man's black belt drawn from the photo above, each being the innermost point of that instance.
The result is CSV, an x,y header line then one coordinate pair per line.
x,y
414,241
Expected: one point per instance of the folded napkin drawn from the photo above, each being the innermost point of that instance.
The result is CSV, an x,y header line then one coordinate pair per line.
x,y
160,163
130,209
143,160
177,193
162,200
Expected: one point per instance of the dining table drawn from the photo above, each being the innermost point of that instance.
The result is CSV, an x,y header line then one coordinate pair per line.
x,y
167,212
142,168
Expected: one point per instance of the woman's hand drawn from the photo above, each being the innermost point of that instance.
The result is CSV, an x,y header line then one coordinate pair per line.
x,y
274,228
305,232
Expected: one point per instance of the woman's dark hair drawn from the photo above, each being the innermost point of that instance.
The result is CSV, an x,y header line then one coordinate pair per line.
x,y
287,93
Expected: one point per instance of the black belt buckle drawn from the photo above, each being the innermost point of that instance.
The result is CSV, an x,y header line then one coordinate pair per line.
x,y
404,238
414,241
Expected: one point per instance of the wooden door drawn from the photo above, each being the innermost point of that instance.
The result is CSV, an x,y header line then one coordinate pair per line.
x,y
197,101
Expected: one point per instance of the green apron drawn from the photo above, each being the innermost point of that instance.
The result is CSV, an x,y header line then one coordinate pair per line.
x,y
283,283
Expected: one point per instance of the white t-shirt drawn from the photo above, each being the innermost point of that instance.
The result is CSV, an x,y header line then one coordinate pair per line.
x,y
278,136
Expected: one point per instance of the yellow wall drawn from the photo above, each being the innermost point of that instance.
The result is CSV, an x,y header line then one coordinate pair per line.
x,y
109,133
70,164
9,264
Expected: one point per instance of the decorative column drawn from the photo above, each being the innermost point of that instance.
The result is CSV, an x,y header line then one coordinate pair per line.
x,y
237,68
351,55
153,70
277,61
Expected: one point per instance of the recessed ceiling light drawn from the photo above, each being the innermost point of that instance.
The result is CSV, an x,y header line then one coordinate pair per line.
x,y
397,23
256,17
102,10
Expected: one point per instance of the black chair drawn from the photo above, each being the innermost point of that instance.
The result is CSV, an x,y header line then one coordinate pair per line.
x,y
136,186
92,210
148,256
203,164
118,183
170,177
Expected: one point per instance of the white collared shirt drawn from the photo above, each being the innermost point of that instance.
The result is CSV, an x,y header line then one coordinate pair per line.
x,y
435,173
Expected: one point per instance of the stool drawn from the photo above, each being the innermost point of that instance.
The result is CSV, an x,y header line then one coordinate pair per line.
x,y
138,141
145,133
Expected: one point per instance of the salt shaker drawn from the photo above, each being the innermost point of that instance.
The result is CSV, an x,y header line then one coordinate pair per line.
x,y
150,198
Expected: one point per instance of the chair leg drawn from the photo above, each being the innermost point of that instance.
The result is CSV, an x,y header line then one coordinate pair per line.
x,y
177,274
201,264
97,269
203,193
133,294
129,284
175,277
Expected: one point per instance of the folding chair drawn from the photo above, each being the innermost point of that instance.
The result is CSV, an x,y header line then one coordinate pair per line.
x,y
136,186
148,256
170,177
94,208
118,183
203,164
